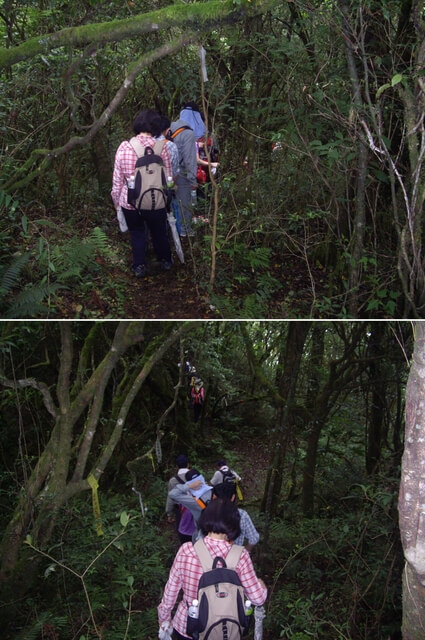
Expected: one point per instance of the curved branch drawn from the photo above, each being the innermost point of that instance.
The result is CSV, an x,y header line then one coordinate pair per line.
x,y
35,384
199,16
152,360
49,155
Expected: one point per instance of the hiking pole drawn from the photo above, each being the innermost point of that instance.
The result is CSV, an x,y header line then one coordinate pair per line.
x,y
259,615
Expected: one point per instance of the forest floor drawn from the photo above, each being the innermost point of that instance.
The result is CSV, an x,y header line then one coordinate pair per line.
x,y
182,292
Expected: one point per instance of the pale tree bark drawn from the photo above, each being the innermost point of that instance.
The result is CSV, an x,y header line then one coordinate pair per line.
x,y
412,495
52,483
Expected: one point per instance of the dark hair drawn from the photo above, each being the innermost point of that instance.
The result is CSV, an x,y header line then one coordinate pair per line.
x,y
165,122
221,463
225,490
159,124
144,121
181,461
221,516
193,473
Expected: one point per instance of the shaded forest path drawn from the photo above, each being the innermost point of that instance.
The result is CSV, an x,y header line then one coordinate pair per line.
x,y
170,294
181,293
116,292
285,286
164,295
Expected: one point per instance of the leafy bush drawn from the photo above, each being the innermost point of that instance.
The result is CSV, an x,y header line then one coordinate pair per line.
x,y
124,571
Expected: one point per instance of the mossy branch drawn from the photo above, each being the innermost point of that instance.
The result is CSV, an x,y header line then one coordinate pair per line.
x,y
199,17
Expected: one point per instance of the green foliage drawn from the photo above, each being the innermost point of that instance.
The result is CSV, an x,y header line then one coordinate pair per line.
x,y
30,292
45,623
124,576
331,571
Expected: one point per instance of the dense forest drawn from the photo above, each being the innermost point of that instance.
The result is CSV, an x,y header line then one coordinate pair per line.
x,y
322,420
318,107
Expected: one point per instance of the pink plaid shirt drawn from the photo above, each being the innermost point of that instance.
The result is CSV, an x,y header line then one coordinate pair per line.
x,y
125,160
185,574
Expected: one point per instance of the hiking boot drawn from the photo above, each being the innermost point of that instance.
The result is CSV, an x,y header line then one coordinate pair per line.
x,y
165,265
140,271
185,234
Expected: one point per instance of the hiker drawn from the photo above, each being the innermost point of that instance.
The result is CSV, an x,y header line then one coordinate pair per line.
x,y
161,127
183,136
203,175
194,494
202,158
186,527
220,525
137,221
227,491
177,513
197,396
224,474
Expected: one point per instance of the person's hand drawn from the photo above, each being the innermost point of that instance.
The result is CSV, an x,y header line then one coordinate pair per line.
x,y
262,583
165,630
195,485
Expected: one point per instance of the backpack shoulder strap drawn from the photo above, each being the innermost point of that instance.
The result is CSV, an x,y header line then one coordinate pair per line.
x,y
137,146
158,147
203,555
179,130
233,556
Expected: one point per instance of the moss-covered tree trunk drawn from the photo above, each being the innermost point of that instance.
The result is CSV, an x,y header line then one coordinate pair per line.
x,y
412,492
52,482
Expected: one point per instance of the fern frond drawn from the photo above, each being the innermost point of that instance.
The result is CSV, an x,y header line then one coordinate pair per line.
x,y
12,273
28,303
98,239
35,630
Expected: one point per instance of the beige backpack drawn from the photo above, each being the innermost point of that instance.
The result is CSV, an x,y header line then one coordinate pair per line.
x,y
150,185
221,598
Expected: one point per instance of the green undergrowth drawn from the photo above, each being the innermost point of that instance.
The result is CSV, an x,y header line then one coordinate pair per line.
x,y
125,570
49,266
334,576
337,576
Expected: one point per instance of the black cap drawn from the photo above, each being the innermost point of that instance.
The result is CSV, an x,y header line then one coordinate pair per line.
x,y
190,475
181,461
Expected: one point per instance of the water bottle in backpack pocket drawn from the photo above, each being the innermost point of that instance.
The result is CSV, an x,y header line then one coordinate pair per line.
x,y
192,619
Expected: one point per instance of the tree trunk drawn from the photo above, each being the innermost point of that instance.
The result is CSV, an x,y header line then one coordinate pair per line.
x,y
50,485
411,497
341,373
377,386
291,359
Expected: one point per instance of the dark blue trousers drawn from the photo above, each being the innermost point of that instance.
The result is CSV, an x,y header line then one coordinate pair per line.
x,y
138,226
